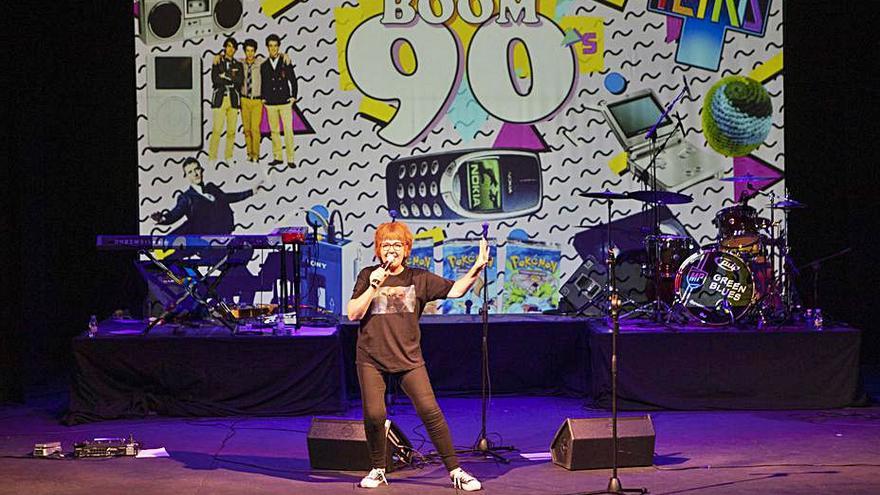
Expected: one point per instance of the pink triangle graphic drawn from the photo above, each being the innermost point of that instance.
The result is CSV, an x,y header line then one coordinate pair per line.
x,y
673,28
520,136
752,165
300,124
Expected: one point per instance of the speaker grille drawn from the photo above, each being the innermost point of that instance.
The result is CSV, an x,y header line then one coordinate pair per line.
x,y
164,20
227,13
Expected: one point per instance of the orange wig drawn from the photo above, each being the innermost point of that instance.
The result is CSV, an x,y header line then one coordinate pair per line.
x,y
393,231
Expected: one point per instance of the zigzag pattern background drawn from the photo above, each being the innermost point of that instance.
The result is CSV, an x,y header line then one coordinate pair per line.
x,y
342,165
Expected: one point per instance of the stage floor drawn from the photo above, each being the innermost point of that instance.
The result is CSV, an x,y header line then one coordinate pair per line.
x,y
709,452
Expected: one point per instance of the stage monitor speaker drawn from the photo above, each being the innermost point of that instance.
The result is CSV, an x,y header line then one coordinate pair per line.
x,y
580,288
586,443
163,21
341,445
174,102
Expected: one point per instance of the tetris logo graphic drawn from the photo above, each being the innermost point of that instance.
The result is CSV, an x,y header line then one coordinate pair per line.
x,y
705,22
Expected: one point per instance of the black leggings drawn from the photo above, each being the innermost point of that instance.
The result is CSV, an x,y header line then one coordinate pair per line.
x,y
417,386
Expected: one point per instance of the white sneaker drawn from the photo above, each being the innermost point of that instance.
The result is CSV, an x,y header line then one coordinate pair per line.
x,y
463,481
374,479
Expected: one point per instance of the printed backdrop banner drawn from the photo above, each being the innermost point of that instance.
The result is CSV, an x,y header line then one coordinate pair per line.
x,y
454,114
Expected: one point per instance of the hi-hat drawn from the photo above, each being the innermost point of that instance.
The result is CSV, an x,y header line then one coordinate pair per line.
x,y
606,194
661,197
746,178
788,204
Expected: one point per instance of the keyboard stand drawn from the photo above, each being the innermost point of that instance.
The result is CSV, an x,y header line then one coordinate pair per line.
x,y
198,288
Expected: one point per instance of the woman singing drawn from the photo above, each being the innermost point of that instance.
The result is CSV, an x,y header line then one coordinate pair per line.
x,y
388,299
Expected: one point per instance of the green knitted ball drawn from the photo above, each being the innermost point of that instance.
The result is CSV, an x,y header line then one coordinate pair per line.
x,y
737,115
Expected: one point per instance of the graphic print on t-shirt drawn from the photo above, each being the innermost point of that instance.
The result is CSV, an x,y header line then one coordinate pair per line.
x,y
395,300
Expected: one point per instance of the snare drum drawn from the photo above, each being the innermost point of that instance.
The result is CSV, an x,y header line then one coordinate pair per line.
x,y
715,287
666,253
738,226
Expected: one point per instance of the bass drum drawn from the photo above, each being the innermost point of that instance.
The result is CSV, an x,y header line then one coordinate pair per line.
x,y
715,287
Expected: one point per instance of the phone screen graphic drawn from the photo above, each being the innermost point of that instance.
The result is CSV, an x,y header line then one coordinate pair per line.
x,y
483,185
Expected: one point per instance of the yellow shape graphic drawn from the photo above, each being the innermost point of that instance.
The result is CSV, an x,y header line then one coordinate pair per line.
x,y
594,62
617,4
161,254
377,110
618,163
437,234
276,8
767,70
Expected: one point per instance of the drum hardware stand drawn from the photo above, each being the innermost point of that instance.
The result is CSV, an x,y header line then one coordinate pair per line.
x,y
816,265
657,308
779,280
614,486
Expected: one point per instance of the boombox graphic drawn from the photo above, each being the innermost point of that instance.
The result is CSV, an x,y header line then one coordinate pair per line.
x,y
163,21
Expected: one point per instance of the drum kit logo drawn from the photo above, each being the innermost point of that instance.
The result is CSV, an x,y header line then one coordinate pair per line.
x,y
695,279
726,265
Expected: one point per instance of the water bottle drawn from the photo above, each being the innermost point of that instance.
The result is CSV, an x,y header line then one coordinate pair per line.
x,y
280,329
808,318
93,326
817,319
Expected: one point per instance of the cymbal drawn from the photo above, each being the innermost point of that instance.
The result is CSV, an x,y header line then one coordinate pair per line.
x,y
661,197
746,178
788,204
606,194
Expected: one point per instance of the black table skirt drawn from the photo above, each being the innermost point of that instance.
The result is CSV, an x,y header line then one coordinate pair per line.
x,y
528,354
728,368
134,376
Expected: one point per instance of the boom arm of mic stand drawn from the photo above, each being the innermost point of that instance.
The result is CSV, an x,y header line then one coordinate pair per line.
x,y
652,132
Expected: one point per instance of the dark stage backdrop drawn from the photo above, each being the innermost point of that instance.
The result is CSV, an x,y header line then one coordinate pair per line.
x,y
71,170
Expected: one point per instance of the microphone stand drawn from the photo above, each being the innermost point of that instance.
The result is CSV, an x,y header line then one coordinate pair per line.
x,y
482,445
614,485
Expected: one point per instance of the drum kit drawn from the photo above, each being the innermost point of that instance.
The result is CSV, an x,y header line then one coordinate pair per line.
x,y
744,276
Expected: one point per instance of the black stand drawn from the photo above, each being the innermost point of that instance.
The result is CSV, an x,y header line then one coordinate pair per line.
x,y
285,305
816,265
482,446
191,285
657,308
614,485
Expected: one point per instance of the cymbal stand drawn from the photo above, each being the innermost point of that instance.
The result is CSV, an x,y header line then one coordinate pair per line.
x,y
767,303
657,308
609,275
787,299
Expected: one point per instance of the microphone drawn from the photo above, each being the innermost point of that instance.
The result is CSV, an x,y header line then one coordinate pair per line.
x,y
388,261
687,87
486,230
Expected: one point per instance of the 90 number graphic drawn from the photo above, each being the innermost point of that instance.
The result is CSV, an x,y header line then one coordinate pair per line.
x,y
423,94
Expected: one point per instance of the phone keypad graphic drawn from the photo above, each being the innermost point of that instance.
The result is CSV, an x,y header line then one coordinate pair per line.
x,y
473,184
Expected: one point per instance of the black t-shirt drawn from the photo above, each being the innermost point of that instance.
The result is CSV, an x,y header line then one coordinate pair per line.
x,y
389,335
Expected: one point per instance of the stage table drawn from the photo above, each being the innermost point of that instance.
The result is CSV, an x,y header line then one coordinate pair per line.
x,y
205,372
702,367
528,354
